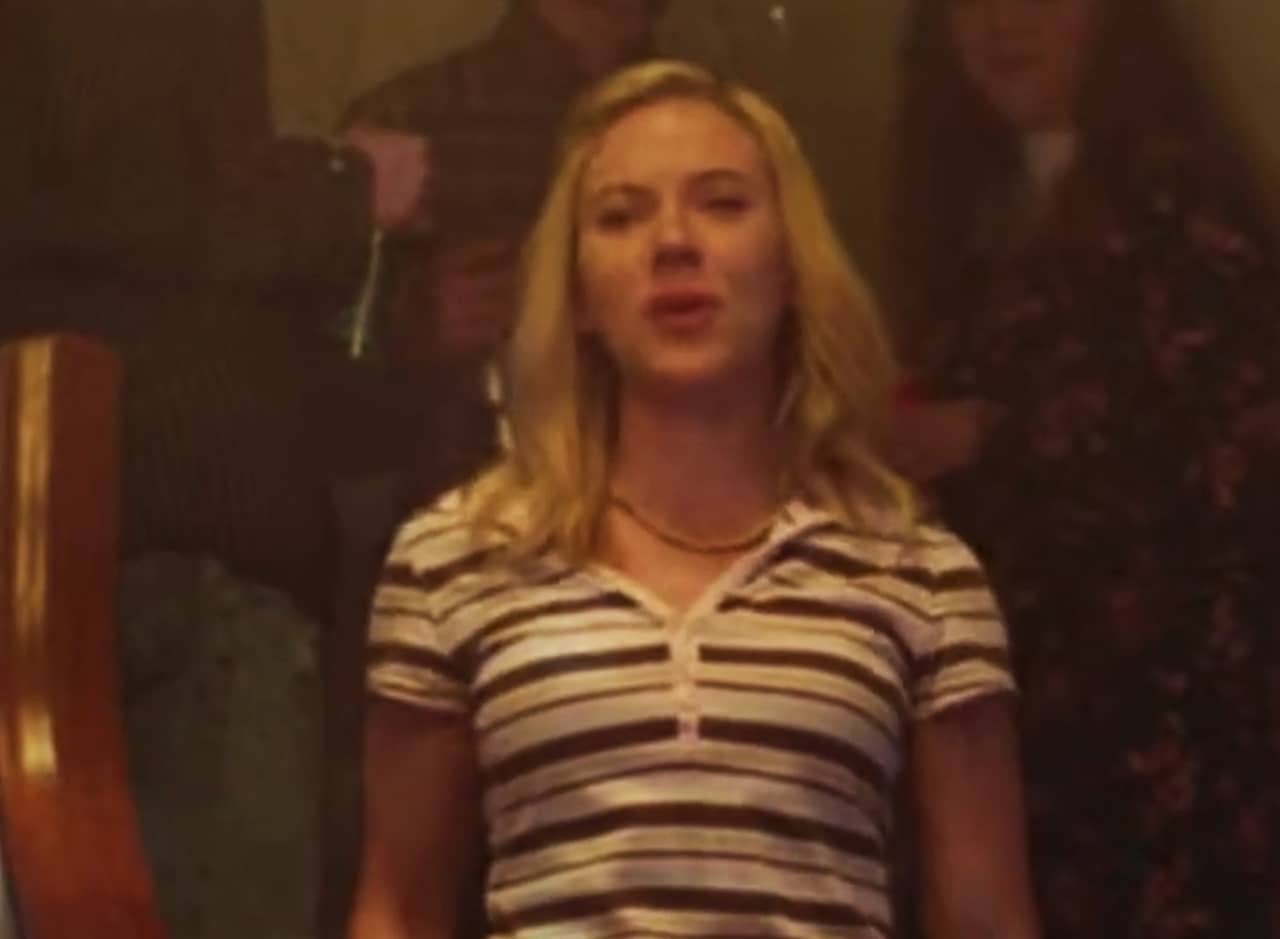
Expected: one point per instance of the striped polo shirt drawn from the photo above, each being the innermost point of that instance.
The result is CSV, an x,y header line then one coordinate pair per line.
x,y
725,771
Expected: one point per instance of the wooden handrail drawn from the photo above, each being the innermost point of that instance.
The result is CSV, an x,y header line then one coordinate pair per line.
x,y
71,846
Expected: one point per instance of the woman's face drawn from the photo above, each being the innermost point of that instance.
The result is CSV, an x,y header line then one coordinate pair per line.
x,y
681,257
1027,58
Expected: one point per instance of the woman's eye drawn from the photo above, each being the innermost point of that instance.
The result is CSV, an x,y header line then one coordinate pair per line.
x,y
613,218
727,204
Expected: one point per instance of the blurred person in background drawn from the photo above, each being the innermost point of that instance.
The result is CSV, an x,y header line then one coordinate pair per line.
x,y
1093,316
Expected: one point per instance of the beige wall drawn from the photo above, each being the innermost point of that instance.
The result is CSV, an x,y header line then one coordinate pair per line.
x,y
837,74
324,51
1239,46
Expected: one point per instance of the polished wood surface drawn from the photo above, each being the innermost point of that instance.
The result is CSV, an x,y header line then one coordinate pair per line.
x,y
70,838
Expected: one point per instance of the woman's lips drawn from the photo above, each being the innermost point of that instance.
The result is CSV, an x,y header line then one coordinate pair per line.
x,y
682,310
681,302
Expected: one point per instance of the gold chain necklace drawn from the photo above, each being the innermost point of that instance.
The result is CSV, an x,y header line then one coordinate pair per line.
x,y
688,545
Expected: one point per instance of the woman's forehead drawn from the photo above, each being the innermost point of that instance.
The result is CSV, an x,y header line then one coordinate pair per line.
x,y
677,137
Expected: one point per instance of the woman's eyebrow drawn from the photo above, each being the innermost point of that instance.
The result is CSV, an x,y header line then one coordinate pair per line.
x,y
721,174
627,189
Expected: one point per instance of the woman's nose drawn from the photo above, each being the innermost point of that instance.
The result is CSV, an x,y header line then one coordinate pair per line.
x,y
675,240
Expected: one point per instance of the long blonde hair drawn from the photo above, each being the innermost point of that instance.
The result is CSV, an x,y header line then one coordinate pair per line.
x,y
560,392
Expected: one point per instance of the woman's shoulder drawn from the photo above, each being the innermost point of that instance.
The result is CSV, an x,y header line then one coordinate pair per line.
x,y
446,553
921,550
438,551
916,578
433,534
935,556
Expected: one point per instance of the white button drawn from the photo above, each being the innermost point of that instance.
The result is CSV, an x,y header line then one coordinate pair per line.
x,y
688,726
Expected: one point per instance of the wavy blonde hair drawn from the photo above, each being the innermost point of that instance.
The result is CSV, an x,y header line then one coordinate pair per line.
x,y
560,391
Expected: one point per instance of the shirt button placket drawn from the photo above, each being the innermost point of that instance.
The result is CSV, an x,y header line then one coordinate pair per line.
x,y
684,656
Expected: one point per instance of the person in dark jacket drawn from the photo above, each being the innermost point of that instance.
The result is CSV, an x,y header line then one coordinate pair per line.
x,y
149,203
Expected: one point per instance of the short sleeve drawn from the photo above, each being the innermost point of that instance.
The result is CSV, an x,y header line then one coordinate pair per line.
x,y
968,652
411,657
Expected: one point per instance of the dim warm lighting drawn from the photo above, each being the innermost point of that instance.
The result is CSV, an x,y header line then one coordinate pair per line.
x,y
37,752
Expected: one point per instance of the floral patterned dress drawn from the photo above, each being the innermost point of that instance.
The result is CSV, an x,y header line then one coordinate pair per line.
x,y
1126,508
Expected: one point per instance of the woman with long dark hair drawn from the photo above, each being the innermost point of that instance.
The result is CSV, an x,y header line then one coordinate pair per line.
x,y
1091,308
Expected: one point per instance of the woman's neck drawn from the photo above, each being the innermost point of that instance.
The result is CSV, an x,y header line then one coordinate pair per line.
x,y
1048,156
1019,219
708,474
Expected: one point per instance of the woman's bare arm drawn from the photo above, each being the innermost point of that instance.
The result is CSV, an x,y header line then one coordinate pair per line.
x,y
423,829
971,821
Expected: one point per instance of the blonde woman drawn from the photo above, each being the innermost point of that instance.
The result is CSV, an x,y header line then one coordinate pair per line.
x,y
666,662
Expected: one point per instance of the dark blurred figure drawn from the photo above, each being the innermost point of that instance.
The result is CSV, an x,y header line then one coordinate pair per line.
x,y
146,203
490,113
1094,312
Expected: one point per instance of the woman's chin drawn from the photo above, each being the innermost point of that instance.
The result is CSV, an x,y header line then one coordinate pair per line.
x,y
697,379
